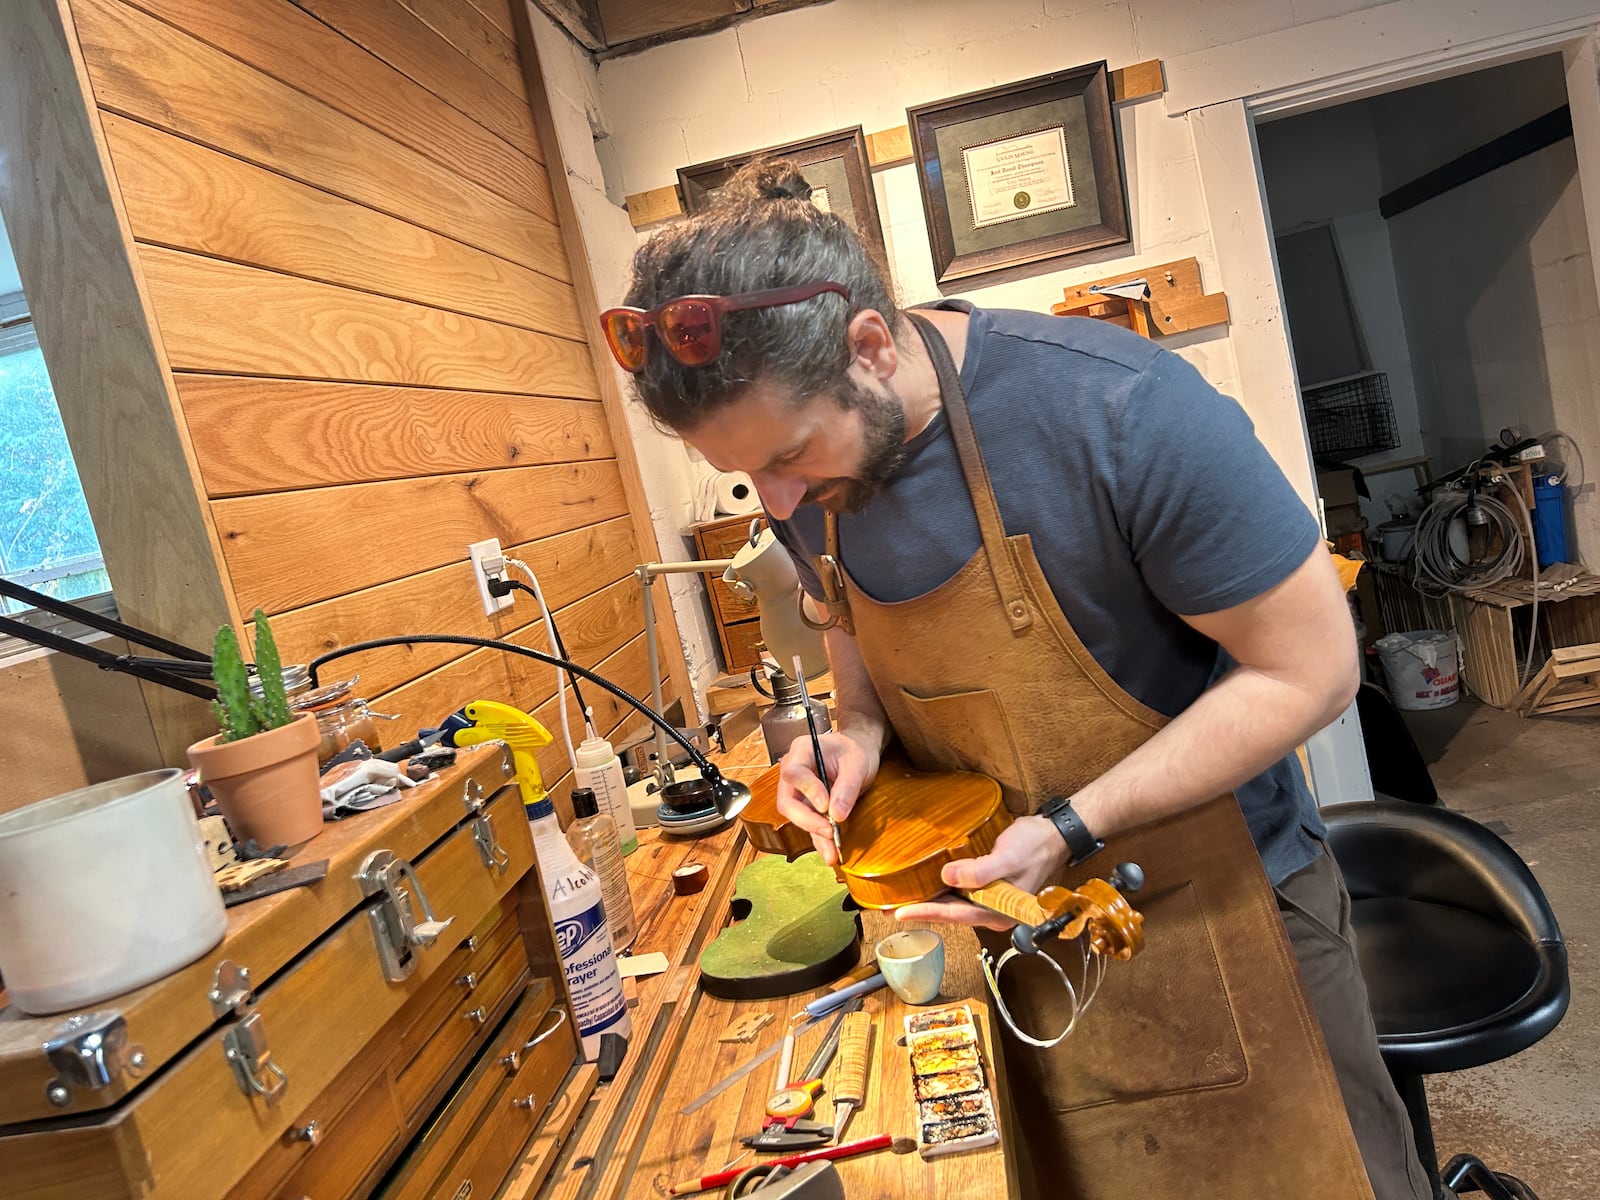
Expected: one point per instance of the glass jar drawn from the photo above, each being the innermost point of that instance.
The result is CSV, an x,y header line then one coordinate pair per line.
x,y
342,718
342,723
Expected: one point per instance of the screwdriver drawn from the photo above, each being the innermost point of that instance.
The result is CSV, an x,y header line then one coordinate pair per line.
x,y
850,1081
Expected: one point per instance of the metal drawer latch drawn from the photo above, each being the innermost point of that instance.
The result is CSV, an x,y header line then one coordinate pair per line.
x,y
493,854
244,1044
89,1050
394,926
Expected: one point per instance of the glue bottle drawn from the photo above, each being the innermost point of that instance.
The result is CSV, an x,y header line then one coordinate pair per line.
x,y
593,838
582,937
600,770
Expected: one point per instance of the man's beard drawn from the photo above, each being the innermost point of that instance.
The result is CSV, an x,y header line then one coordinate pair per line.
x,y
883,450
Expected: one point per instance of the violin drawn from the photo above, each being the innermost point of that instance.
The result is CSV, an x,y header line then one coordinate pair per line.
x,y
908,824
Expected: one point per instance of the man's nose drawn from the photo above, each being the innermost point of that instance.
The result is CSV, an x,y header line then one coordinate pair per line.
x,y
780,497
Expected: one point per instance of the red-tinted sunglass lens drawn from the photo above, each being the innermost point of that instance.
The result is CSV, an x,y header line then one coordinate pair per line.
x,y
689,331
625,334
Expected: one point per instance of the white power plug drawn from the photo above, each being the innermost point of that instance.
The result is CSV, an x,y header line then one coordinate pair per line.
x,y
488,562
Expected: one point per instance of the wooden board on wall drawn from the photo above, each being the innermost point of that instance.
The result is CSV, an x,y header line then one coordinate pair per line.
x,y
296,48
442,602
145,69
474,37
180,194
304,330
360,433
294,548
406,43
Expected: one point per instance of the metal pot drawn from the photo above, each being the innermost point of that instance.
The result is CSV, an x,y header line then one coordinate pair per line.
x,y
107,888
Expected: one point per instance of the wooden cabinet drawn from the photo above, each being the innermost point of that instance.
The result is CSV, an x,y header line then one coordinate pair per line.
x,y
737,620
371,1056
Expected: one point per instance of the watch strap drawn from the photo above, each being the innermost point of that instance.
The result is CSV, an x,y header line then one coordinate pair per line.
x,y
1081,844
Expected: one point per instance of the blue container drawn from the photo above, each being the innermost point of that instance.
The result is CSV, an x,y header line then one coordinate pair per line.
x,y
1550,519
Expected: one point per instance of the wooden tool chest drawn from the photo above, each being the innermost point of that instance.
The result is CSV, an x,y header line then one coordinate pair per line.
x,y
398,1029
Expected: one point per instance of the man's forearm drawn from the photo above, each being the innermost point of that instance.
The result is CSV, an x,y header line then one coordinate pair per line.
x,y
1233,732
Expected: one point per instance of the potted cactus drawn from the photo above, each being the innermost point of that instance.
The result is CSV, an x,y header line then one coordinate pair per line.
x,y
262,767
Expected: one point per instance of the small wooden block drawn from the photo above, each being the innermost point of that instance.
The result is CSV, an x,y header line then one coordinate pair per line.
x,y
219,846
1138,81
235,876
746,1027
630,991
653,207
889,147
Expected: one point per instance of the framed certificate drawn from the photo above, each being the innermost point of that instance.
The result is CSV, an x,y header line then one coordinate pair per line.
x,y
834,164
1018,175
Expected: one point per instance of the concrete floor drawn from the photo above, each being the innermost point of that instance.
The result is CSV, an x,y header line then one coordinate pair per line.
x,y
1536,783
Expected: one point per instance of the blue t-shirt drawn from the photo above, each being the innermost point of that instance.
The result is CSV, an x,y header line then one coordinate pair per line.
x,y
1146,494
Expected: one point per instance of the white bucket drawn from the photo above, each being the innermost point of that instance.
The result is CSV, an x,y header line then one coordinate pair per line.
x,y
1421,667
106,889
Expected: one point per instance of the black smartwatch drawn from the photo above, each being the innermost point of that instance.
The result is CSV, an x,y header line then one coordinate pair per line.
x,y
1081,844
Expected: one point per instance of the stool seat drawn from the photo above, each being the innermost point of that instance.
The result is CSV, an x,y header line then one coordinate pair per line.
x,y
1442,981
1462,957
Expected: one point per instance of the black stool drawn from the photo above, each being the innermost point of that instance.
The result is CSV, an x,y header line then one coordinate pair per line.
x,y
1462,956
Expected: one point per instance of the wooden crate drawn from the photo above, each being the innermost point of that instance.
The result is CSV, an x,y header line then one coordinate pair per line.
x,y
1495,624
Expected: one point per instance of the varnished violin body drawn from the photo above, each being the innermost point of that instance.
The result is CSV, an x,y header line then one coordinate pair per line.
x,y
908,824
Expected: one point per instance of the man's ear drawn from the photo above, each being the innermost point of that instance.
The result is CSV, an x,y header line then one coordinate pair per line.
x,y
872,346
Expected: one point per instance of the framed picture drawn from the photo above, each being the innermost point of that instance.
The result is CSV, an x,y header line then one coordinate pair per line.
x,y
1020,174
834,164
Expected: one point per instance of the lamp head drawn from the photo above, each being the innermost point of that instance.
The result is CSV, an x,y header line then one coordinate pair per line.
x,y
763,570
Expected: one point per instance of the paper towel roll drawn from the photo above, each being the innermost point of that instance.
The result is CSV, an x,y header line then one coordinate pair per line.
x,y
736,495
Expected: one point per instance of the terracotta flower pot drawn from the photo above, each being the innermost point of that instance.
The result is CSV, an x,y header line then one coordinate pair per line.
x,y
266,784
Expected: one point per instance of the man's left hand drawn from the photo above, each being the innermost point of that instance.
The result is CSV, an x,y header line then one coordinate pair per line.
x,y
1027,853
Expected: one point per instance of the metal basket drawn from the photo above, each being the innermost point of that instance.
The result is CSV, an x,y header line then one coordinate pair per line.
x,y
1350,418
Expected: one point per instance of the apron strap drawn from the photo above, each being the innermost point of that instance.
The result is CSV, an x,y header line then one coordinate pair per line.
x,y
1006,579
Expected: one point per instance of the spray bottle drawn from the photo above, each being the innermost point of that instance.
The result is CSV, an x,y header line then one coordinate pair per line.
x,y
582,938
600,770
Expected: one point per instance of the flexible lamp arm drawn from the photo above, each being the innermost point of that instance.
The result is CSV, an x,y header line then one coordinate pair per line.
x,y
707,767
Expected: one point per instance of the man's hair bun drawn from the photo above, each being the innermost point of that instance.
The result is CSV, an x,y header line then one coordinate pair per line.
x,y
766,179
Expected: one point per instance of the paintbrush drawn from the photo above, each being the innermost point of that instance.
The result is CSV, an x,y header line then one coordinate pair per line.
x,y
816,749
883,1141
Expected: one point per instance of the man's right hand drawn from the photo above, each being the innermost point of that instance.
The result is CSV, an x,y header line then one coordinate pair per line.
x,y
852,763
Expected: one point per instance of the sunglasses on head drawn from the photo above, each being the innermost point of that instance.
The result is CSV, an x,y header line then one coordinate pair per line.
x,y
690,327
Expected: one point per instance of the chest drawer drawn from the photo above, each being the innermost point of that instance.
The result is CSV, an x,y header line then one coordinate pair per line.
x,y
722,539
518,1072
358,1124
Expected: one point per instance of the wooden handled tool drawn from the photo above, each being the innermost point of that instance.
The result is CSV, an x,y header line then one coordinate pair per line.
x,y
850,1080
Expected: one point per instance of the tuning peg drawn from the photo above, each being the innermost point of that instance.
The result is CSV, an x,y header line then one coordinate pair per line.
x,y
1128,877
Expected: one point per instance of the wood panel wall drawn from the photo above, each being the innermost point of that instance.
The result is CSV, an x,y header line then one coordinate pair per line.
x,y
347,232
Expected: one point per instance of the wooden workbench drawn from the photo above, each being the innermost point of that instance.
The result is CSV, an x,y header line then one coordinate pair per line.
x,y
631,1140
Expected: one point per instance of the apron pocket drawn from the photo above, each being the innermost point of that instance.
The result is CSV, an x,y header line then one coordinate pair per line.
x,y
1162,1023
966,731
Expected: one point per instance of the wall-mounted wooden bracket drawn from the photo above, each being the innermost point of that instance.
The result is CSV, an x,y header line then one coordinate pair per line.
x,y
1176,302
892,147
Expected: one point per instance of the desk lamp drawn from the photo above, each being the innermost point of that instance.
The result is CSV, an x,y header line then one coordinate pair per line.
x,y
762,571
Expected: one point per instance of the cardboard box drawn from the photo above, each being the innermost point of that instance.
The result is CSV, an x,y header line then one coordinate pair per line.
x,y
1337,487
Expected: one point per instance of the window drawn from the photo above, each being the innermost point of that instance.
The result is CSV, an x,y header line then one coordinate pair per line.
x,y
47,541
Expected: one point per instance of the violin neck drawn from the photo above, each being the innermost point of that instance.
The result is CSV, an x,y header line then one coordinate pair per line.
x,y
1009,900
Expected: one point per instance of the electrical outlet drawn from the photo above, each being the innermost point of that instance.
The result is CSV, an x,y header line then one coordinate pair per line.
x,y
479,552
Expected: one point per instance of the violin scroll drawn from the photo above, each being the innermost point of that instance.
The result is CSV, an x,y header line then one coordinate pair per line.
x,y
1098,908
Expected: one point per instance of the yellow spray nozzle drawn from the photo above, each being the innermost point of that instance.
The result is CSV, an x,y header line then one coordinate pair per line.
x,y
493,721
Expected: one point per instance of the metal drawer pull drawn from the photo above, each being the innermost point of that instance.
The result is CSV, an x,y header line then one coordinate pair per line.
x,y
561,1017
528,1102
310,1133
469,981
478,1015
512,1061
471,944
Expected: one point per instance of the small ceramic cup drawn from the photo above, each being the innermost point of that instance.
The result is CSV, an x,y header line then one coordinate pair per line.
x,y
913,963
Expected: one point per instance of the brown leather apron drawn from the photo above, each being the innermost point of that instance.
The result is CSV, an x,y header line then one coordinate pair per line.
x,y
1200,1070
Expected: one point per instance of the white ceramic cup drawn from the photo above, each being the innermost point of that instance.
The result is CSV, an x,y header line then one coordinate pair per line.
x,y
912,961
